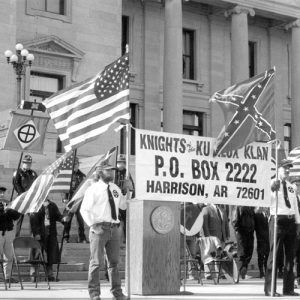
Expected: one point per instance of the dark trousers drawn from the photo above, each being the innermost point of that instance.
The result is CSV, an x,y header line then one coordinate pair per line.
x,y
245,245
19,225
286,238
80,223
298,258
263,249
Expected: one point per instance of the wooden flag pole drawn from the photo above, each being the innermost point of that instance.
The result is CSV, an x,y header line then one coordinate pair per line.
x,y
127,214
275,226
64,230
20,160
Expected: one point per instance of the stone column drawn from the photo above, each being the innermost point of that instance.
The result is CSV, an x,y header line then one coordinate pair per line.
x,y
172,76
239,42
295,86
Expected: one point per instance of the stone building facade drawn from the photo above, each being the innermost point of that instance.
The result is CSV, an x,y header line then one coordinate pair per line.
x,y
181,52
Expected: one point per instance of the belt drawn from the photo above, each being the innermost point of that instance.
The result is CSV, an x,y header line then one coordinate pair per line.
x,y
291,217
109,224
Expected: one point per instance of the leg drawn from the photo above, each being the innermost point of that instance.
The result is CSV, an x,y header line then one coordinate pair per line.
x,y
67,227
19,225
268,275
8,252
97,243
80,224
113,253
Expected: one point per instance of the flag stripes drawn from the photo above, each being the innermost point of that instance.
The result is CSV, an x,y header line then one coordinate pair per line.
x,y
247,106
62,182
86,110
31,200
79,193
294,156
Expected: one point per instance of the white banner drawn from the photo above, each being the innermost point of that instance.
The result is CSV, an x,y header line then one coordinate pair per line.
x,y
175,167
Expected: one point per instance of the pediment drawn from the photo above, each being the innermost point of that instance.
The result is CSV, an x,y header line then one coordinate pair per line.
x,y
53,45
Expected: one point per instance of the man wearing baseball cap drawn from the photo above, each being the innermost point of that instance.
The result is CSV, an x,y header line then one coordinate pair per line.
x,y
22,181
99,209
288,224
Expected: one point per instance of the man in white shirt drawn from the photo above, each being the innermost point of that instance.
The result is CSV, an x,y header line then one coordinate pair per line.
x,y
288,222
99,209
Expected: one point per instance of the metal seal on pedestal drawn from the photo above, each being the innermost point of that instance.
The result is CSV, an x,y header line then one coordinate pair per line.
x,y
162,219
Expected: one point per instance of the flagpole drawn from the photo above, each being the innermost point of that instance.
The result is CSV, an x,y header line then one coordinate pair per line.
x,y
64,229
275,226
128,288
184,245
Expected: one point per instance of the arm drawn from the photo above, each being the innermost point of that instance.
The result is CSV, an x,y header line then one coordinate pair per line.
x,y
17,182
205,226
13,213
235,217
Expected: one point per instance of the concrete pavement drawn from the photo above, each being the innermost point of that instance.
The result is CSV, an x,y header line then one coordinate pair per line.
x,y
246,289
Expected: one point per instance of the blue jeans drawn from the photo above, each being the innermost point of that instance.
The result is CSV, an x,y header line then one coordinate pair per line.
x,y
108,240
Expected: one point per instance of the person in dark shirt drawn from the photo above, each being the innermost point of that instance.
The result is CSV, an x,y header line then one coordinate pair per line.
x,y
43,225
244,225
262,238
7,218
22,181
77,178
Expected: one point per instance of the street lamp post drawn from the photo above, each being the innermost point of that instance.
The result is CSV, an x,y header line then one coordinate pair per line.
x,y
19,61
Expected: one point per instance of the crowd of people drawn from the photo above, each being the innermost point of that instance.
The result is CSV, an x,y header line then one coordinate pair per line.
x,y
250,222
103,209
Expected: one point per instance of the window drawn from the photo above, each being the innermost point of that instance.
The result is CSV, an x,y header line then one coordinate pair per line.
x,y
287,137
193,123
125,33
133,122
188,54
42,86
55,9
252,58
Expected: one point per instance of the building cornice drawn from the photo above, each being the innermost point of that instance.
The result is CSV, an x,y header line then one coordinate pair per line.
x,y
278,7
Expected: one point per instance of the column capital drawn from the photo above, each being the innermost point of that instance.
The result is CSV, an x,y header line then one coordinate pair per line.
x,y
239,9
294,24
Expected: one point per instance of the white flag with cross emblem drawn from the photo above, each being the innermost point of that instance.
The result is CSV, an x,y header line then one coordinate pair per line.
x,y
26,132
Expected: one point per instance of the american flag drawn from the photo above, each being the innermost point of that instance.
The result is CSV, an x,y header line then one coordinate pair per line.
x,y
78,196
247,106
62,182
294,156
86,110
32,200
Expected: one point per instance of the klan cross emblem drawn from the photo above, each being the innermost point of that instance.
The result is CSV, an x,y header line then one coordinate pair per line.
x,y
26,134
